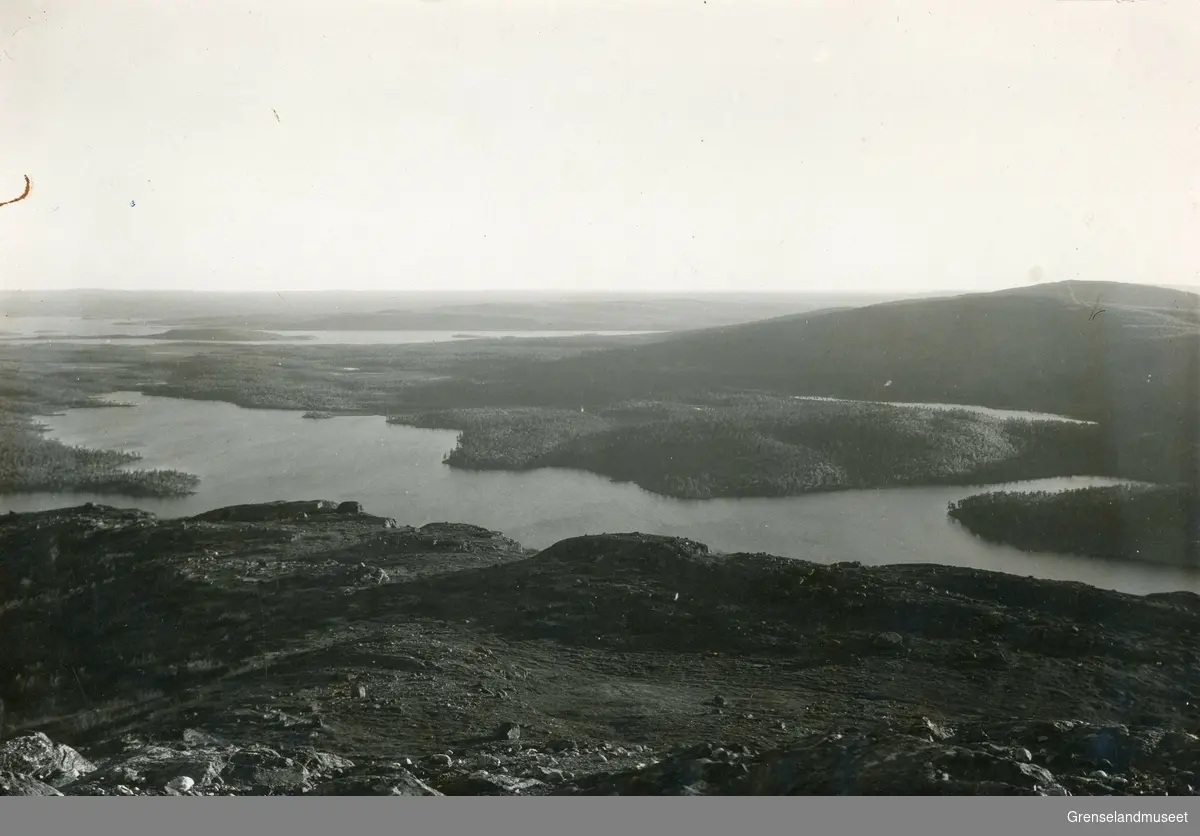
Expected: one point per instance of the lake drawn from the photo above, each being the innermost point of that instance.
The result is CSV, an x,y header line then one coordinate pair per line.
x,y
251,455
951,407
31,330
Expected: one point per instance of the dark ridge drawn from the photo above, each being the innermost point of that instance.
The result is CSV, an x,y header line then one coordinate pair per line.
x,y
293,648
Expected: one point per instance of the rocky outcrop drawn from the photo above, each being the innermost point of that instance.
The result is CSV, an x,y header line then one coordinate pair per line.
x,y
201,764
397,782
1054,758
928,758
268,511
294,649
11,784
35,757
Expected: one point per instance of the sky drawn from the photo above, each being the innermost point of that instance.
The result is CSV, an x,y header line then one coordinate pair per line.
x,y
578,145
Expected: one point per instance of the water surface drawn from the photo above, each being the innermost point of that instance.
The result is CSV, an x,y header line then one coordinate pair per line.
x,y
953,407
30,330
250,455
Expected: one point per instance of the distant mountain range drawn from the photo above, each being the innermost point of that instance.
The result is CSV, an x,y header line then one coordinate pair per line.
x,y
365,311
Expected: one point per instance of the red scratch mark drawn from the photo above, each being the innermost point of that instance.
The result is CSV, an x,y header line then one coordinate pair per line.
x,y
24,194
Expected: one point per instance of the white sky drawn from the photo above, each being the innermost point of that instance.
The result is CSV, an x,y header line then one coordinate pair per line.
x,y
585,145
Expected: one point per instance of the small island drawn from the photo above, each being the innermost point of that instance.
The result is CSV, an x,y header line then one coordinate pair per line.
x,y
217,335
226,335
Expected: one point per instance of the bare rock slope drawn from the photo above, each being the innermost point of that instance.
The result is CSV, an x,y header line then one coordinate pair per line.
x,y
311,648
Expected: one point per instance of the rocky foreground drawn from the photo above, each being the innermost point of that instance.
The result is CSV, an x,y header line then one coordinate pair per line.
x,y
312,648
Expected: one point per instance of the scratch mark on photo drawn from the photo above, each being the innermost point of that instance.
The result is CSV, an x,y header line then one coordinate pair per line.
x,y
23,195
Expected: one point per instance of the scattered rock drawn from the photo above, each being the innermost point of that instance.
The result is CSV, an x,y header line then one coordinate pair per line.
x,y
508,731
350,508
323,764
155,765
181,784
874,761
400,782
889,640
265,771
486,783
239,655
937,731
199,738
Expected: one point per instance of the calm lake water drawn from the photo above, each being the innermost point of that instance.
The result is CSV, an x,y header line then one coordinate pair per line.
x,y
983,410
248,455
27,330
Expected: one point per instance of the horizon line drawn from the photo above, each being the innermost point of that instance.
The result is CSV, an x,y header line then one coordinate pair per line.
x,y
1190,288
480,292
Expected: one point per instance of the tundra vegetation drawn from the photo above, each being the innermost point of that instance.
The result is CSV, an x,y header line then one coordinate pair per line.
x,y
713,412
1153,523
758,445
29,462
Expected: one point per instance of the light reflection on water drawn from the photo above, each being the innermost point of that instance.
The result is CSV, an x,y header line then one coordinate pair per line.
x,y
247,455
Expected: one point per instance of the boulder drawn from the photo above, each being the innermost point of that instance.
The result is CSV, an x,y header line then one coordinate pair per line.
x,y
11,784
181,784
508,731
264,771
323,764
36,756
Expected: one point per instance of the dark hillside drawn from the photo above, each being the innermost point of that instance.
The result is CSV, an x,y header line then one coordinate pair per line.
x,y
1134,369
309,648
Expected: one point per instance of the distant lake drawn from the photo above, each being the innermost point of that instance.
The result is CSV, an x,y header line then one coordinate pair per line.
x,y
54,327
28,330
249,455
982,410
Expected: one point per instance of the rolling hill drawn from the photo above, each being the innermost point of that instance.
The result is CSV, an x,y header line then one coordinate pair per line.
x,y
1125,356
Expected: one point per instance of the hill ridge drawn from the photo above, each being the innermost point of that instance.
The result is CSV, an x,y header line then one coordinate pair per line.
x,y
295,648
